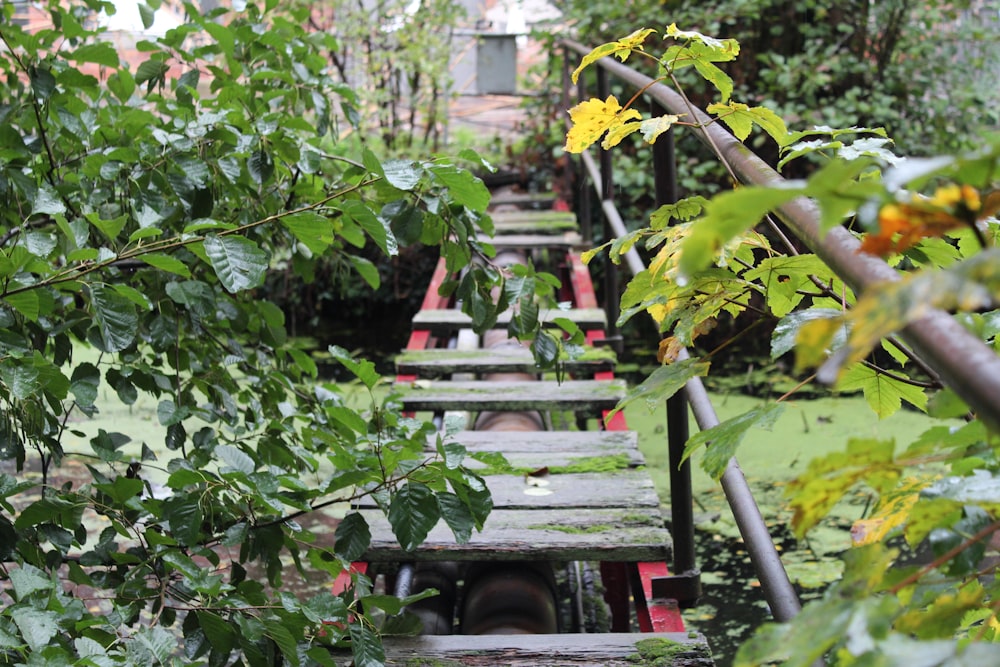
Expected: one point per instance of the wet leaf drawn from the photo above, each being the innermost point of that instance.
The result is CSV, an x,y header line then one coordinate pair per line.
x,y
239,263
721,441
621,49
591,119
413,511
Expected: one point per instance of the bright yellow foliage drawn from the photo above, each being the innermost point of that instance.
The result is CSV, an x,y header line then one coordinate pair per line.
x,y
593,118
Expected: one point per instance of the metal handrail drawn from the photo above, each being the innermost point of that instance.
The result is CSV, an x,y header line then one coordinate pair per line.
x,y
961,361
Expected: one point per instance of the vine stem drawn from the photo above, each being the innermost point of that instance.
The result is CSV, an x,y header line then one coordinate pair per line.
x,y
945,557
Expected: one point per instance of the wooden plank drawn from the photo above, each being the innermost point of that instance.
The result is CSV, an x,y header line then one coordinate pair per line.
x,y
552,448
533,222
442,362
478,395
665,649
443,321
508,198
632,488
618,534
535,241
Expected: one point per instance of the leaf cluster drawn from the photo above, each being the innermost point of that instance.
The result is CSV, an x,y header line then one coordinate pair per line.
x,y
724,256
141,211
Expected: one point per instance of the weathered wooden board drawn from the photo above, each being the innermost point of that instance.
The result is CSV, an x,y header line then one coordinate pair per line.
x,y
669,649
477,395
447,320
441,362
543,220
535,241
631,488
539,200
535,449
619,534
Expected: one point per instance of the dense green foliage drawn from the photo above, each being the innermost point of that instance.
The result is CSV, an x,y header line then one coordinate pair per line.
x,y
916,68
140,211
935,221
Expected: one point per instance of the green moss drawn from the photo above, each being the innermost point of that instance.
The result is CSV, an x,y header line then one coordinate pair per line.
x,y
594,464
597,528
659,652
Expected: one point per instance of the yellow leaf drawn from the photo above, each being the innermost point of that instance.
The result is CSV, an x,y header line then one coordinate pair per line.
x,y
654,127
812,343
593,118
621,49
892,511
619,132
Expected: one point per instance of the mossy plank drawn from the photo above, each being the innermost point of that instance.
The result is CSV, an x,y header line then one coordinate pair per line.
x,y
442,362
477,395
590,443
441,321
537,241
617,534
562,650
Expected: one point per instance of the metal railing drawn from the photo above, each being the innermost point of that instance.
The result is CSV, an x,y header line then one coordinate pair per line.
x,y
938,343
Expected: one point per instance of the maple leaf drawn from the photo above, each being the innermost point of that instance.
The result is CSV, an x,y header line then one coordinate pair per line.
x,y
593,118
621,49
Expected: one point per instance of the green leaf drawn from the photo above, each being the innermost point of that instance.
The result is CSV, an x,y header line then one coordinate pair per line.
x,y
786,332
152,72
235,458
375,227
261,166
36,626
402,174
167,263
47,201
158,641
366,646
464,187
28,579
726,216
238,262
116,318
185,516
722,440
220,633
621,49
883,393
26,302
84,383
352,537
457,515
364,370
102,53
413,511
367,270
311,229
741,118
663,383
43,84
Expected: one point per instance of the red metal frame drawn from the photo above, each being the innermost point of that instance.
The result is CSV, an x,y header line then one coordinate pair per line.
x,y
654,615
625,583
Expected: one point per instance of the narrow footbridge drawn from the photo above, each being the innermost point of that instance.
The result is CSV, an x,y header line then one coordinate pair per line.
x,y
571,565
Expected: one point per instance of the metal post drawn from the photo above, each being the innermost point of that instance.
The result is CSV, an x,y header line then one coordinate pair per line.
x,y
686,584
611,298
586,212
566,99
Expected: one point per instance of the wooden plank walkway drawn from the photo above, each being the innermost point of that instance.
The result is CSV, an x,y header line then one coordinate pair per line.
x,y
561,650
436,363
441,322
510,395
562,496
